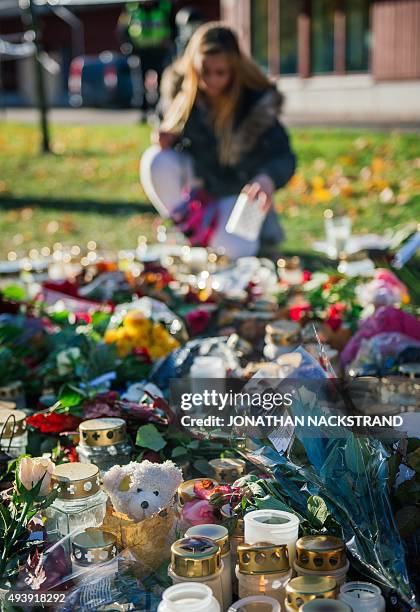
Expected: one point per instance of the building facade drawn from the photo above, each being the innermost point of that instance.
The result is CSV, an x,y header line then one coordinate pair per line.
x,y
336,58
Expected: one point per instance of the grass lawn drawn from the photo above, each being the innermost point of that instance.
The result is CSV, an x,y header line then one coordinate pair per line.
x,y
88,188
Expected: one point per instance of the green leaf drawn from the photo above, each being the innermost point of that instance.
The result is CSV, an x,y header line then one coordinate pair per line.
x,y
318,509
70,396
5,517
271,503
15,293
149,437
178,451
194,444
202,466
413,460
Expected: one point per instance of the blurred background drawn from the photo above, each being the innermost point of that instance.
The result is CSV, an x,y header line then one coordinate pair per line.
x,y
79,88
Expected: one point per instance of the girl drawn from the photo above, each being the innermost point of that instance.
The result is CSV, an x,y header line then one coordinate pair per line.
x,y
220,135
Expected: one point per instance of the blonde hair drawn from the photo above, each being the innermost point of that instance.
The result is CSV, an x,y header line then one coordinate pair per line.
x,y
210,39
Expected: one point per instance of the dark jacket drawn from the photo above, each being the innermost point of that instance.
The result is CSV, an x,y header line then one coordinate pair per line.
x,y
259,144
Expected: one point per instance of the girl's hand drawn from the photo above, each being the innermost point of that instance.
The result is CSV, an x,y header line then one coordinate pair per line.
x,y
165,140
261,188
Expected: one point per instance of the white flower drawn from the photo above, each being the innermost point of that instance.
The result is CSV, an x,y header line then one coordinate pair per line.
x,y
32,470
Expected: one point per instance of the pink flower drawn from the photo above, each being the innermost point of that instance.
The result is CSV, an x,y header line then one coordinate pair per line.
x,y
198,512
197,321
31,471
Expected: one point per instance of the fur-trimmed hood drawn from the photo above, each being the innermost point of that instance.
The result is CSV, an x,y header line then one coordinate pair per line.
x,y
260,116
259,111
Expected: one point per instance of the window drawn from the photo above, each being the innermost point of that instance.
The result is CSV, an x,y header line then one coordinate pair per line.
x,y
259,31
357,35
322,36
289,12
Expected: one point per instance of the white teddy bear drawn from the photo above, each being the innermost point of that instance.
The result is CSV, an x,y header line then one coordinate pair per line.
x,y
139,490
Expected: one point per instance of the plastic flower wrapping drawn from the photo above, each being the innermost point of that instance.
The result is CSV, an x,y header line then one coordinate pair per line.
x,y
350,474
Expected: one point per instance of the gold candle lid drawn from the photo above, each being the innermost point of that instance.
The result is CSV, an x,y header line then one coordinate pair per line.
x,y
195,557
302,589
102,432
217,533
94,546
321,553
186,489
227,469
75,480
14,422
263,558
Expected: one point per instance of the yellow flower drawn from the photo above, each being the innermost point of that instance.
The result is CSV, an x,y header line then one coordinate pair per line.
x,y
111,335
136,319
318,182
322,195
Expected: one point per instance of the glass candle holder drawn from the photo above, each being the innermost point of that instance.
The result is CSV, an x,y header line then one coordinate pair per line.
x,y
80,503
94,555
227,470
14,438
104,443
188,597
362,597
274,526
303,589
263,569
197,560
321,556
220,536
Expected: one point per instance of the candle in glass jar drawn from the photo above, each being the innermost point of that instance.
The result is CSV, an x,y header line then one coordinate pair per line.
x,y
321,556
274,526
362,597
227,470
188,597
198,560
220,536
303,589
263,569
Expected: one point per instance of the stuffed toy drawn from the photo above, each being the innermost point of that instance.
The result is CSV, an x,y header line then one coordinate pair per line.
x,y
140,490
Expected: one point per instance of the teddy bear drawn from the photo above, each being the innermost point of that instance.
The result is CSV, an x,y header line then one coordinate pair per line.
x,y
140,490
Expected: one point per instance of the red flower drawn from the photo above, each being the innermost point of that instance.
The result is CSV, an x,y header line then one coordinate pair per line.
x,y
334,315
306,275
296,313
52,422
82,317
197,321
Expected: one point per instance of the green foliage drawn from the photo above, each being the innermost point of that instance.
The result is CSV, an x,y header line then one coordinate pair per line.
x,y
149,437
94,166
